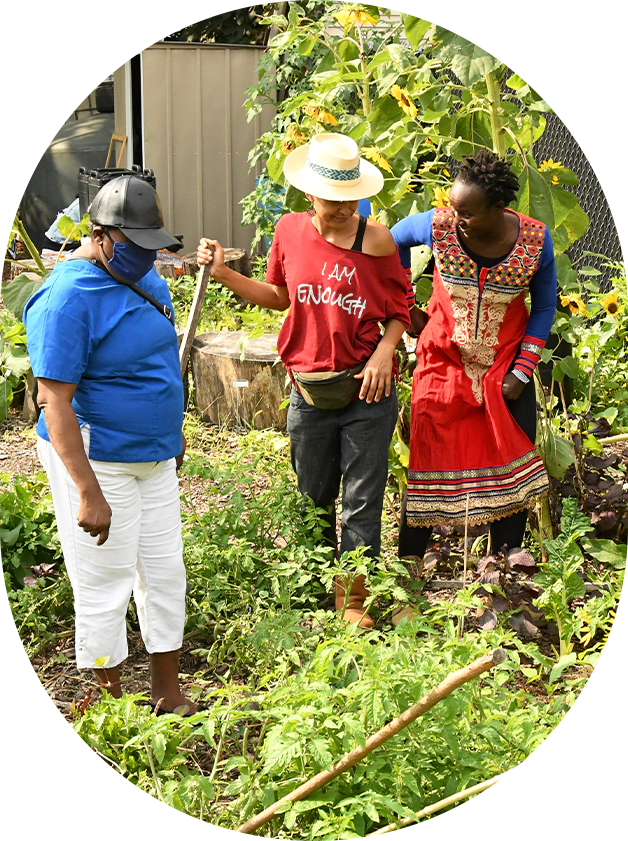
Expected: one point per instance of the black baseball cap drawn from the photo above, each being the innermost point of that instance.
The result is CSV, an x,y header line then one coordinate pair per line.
x,y
132,205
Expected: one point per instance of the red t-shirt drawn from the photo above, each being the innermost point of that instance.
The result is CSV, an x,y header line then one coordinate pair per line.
x,y
338,297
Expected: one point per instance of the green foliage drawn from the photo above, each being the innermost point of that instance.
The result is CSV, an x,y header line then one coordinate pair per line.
x,y
556,450
600,339
348,689
14,360
72,230
18,230
27,532
39,595
291,688
150,751
264,206
409,110
17,293
559,577
222,309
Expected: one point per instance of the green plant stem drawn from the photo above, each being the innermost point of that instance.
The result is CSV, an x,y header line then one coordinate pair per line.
x,y
614,439
153,770
466,556
576,464
223,733
497,129
21,230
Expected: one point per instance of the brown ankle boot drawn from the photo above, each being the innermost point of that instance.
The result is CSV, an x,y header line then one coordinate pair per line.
x,y
354,611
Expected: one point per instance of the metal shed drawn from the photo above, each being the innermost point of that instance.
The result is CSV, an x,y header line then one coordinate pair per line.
x,y
181,107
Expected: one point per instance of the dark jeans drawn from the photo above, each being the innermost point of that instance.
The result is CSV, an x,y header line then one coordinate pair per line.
x,y
509,530
350,444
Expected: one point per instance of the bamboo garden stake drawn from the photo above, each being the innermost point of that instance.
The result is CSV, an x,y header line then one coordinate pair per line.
x,y
444,688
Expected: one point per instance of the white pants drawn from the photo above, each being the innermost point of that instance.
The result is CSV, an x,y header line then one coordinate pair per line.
x,y
143,555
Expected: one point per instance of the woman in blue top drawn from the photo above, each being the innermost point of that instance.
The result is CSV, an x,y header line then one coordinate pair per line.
x,y
473,413
103,348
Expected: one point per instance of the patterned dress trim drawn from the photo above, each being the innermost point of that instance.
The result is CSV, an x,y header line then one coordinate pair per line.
x,y
441,497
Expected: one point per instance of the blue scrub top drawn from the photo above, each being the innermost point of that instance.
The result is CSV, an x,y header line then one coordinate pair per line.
x,y
84,327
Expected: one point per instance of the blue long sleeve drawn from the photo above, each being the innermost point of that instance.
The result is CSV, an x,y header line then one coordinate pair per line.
x,y
411,231
543,292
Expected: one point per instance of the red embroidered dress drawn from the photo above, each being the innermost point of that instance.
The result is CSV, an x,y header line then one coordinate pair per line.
x,y
464,441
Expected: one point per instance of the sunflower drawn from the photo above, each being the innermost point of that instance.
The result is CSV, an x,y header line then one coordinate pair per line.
x,y
297,137
405,101
373,154
550,164
610,304
574,302
320,114
441,197
349,17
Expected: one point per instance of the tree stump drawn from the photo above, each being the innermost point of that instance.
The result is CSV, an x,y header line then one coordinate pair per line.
x,y
239,381
30,411
236,258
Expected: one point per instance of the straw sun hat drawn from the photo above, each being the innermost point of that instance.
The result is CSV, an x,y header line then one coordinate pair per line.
x,y
330,167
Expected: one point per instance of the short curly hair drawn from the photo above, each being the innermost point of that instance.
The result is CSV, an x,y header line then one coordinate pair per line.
x,y
492,174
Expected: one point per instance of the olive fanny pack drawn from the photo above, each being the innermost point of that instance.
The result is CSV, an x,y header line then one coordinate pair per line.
x,y
329,390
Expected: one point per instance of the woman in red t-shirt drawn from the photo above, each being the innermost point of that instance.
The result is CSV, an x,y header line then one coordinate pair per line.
x,y
341,276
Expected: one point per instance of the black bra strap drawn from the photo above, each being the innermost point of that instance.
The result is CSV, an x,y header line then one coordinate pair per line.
x,y
359,237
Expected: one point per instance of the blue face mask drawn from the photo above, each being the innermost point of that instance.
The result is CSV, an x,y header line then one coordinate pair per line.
x,y
130,261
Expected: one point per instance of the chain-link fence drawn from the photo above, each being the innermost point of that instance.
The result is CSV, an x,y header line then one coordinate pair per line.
x,y
558,143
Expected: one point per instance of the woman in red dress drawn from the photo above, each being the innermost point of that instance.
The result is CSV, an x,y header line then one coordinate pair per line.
x,y
473,411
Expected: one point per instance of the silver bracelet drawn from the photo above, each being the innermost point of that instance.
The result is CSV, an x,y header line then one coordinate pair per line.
x,y
520,375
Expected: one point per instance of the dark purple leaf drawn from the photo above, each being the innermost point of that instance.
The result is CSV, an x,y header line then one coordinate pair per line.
x,y
482,564
601,428
568,490
601,463
520,559
487,620
615,492
522,625
500,604
43,570
607,520
489,577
